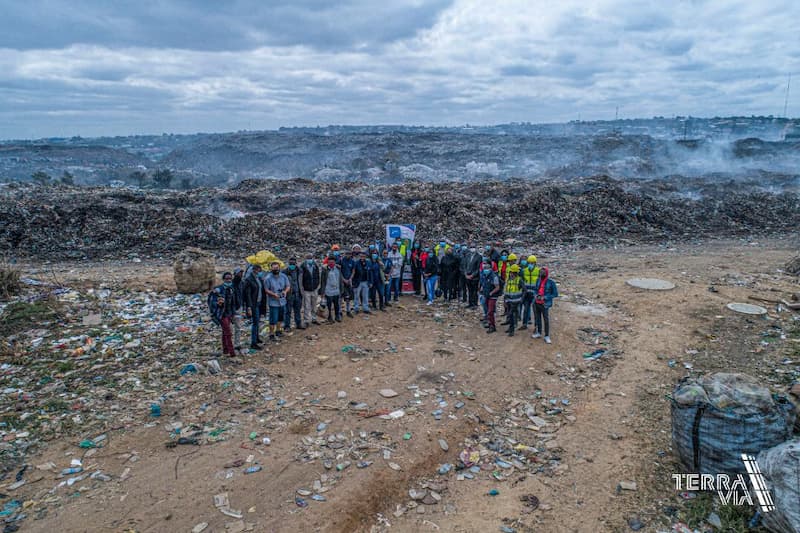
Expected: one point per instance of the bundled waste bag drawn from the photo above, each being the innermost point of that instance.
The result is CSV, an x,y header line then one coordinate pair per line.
x,y
264,258
717,418
781,468
194,271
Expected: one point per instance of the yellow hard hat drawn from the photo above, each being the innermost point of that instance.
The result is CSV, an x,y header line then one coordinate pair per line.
x,y
531,259
513,268
512,257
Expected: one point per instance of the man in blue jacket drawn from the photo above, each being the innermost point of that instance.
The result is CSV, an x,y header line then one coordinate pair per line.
x,y
348,266
362,279
543,296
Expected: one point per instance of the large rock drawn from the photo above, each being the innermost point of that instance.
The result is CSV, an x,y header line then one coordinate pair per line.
x,y
194,271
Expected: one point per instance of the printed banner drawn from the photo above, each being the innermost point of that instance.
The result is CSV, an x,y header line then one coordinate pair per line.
x,y
405,234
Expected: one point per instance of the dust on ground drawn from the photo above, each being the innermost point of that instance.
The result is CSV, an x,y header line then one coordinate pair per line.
x,y
576,426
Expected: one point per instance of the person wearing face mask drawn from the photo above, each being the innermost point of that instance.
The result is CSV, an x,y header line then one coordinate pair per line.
x,y
376,282
309,285
512,297
252,297
238,327
416,268
490,290
348,266
530,273
294,301
362,276
277,287
463,259
395,275
223,302
331,287
449,272
472,275
431,274
388,265
440,249
543,296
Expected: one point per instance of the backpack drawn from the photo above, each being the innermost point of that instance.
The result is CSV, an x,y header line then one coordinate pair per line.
x,y
213,307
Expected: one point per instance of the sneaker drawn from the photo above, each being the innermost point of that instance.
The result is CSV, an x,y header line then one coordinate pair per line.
x,y
273,338
349,314
429,303
547,340
255,347
523,326
388,304
491,330
536,335
510,333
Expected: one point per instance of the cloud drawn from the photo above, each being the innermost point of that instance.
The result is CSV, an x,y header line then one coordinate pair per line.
x,y
92,67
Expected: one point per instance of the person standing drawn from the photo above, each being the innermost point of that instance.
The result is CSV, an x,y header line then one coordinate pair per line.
x,y
431,274
331,287
530,273
472,274
490,290
294,301
361,283
512,297
396,273
309,284
225,301
449,273
416,268
348,266
252,295
277,287
387,265
377,283
546,290
238,328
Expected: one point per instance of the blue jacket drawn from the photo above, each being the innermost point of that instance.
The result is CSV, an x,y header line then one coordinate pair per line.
x,y
376,274
387,265
348,265
362,272
550,292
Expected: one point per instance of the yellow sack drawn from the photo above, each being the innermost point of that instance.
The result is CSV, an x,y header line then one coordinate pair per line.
x,y
265,258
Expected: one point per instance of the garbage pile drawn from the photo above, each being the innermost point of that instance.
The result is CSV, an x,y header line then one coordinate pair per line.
x,y
301,215
718,417
793,266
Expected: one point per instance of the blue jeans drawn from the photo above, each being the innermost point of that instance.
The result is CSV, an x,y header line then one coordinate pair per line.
x,y
394,288
527,302
361,299
254,328
294,303
430,285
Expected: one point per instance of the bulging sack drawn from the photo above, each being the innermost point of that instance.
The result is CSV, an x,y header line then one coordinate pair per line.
x,y
717,418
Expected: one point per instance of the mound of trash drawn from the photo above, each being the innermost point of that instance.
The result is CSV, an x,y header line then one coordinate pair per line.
x,y
302,215
793,266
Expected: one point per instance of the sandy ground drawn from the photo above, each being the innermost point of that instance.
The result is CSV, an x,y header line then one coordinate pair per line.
x,y
615,427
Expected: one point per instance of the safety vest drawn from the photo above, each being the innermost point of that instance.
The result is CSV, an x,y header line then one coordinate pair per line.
x,y
403,250
438,247
529,277
513,288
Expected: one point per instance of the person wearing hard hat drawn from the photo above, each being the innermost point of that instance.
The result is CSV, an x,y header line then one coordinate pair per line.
x,y
543,296
530,273
513,293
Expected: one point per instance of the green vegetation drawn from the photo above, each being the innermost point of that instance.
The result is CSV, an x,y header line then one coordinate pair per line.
x,y
19,316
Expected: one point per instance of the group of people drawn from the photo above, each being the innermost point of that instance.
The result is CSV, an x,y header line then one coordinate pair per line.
x,y
462,272
360,280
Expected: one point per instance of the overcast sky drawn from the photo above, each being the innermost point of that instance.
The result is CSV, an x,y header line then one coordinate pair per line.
x,y
100,67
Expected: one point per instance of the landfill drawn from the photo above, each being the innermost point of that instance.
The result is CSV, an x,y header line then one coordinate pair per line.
x,y
299,215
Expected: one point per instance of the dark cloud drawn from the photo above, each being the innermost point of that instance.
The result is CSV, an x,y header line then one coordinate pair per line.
x,y
217,25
